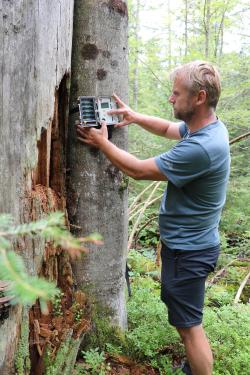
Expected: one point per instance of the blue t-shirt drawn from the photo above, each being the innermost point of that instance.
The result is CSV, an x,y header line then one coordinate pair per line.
x,y
197,169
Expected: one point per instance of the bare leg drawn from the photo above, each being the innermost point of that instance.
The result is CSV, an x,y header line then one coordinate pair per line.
x,y
198,350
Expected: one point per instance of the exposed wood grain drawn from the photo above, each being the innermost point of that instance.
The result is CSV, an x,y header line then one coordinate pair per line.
x,y
35,53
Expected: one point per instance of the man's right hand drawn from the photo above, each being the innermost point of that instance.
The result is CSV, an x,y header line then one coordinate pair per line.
x,y
128,114
155,125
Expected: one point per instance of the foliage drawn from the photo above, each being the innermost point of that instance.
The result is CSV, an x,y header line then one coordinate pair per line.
x,y
23,287
94,363
141,264
228,329
149,330
57,304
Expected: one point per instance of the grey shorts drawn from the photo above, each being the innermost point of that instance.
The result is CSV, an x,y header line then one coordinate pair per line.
x,y
183,277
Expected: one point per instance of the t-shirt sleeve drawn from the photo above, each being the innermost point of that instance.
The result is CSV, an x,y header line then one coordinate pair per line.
x,y
183,129
184,163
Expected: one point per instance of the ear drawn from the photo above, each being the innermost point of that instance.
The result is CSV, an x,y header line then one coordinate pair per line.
x,y
201,97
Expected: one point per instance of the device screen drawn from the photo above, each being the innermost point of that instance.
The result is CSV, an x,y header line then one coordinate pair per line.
x,y
105,105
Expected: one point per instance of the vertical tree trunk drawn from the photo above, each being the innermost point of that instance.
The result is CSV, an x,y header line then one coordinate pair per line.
x,y
35,56
136,62
207,16
97,193
221,37
169,35
186,27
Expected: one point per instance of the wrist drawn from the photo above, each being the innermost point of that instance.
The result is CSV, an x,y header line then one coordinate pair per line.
x,y
137,117
102,143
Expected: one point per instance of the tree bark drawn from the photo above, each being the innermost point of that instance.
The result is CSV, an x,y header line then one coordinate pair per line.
x,y
136,62
169,35
186,27
97,191
36,39
207,17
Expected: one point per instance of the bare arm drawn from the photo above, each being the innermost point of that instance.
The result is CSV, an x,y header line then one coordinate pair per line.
x,y
155,125
127,163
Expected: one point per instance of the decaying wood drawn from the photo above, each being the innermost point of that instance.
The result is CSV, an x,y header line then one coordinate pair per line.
x,y
143,208
34,59
220,272
242,285
145,225
135,226
239,138
138,197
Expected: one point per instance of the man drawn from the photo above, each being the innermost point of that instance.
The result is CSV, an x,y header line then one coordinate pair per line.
x,y
197,170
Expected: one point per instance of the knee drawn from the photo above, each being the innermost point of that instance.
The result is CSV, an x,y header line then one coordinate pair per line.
x,y
184,333
188,333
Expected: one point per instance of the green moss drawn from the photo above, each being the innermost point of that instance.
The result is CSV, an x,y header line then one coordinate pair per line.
x,y
22,359
65,358
103,331
124,183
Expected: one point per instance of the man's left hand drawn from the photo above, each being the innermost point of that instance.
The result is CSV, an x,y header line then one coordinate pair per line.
x,y
91,135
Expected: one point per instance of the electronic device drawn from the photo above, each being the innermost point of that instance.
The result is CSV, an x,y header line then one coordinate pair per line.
x,y
93,110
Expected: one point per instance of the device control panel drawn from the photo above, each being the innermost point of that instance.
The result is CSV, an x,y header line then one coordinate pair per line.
x,y
93,110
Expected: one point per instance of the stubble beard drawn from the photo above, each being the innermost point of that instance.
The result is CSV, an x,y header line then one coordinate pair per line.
x,y
185,116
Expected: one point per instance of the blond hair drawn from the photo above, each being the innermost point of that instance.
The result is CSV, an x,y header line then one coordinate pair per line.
x,y
200,75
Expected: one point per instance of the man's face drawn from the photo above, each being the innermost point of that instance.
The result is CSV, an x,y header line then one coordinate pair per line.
x,y
182,101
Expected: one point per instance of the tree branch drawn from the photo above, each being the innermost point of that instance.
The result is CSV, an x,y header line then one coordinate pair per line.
x,y
242,285
239,138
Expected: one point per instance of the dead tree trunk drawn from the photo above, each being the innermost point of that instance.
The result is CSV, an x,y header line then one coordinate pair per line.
x,y
35,62
97,191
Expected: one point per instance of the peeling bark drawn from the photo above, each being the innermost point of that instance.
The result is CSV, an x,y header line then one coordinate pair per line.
x,y
34,58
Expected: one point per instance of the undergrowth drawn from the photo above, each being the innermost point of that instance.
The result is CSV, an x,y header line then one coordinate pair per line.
x,y
151,339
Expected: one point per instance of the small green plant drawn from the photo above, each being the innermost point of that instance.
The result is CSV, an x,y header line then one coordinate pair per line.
x,y
77,311
114,349
140,264
57,304
218,295
95,362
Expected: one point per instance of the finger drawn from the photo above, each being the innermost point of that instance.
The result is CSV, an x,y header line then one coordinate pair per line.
x,y
119,111
121,124
82,140
82,129
82,133
104,128
118,100
77,122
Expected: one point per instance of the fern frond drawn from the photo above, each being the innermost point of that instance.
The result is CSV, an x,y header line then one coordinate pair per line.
x,y
6,221
4,243
24,289
50,228
52,221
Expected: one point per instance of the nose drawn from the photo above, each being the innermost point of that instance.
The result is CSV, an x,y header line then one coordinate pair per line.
x,y
171,99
